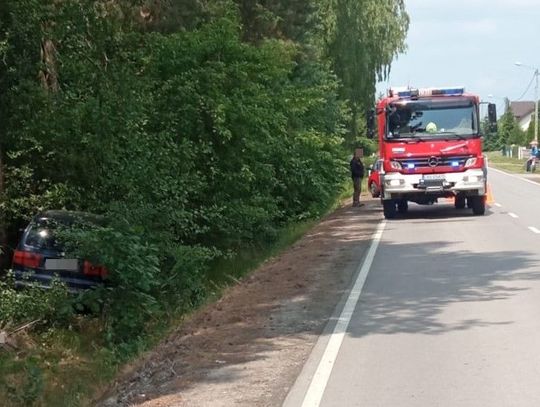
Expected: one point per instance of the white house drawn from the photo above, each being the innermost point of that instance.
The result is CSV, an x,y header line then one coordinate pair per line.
x,y
523,112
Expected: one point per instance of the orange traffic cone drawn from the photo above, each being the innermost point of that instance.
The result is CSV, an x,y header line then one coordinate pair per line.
x,y
489,196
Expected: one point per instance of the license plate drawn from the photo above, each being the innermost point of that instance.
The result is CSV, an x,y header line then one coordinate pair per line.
x,y
439,177
62,264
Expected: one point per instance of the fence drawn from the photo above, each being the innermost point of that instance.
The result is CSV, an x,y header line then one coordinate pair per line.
x,y
516,151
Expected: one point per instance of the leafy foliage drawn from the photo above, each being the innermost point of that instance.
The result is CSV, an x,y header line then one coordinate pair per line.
x,y
362,38
491,140
46,306
509,131
529,134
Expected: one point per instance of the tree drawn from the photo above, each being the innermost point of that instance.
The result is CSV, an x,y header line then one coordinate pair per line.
x,y
508,129
490,136
362,39
359,38
530,130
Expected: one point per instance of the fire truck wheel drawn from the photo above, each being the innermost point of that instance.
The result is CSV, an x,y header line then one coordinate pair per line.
x,y
402,206
478,205
459,202
389,209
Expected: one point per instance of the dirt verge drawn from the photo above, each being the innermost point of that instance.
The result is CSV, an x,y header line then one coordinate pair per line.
x,y
248,348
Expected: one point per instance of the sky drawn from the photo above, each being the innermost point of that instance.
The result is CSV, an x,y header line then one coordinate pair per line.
x,y
471,43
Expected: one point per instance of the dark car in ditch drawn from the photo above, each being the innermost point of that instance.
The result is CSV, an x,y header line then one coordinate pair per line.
x,y
40,257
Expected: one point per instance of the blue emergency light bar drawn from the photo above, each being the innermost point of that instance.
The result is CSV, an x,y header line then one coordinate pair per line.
x,y
426,92
405,94
448,91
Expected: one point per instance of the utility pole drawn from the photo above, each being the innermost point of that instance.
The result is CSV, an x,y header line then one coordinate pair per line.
x,y
535,69
536,106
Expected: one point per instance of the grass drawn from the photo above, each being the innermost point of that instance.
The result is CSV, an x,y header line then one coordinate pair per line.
x,y
510,164
57,367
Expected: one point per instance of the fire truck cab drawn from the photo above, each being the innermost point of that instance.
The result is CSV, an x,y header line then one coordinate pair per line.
x,y
430,144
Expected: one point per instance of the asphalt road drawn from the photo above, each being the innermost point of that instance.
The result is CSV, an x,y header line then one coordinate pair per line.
x,y
449,314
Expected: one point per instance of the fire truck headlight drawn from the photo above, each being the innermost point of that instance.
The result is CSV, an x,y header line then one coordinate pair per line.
x,y
395,165
394,182
470,162
473,178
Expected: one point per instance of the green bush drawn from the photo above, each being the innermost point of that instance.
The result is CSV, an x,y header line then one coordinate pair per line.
x,y
52,306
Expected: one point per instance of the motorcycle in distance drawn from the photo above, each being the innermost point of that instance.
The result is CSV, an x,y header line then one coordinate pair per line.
x,y
532,163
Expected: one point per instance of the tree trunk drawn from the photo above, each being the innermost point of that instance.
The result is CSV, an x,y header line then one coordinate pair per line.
x,y
354,121
49,73
3,233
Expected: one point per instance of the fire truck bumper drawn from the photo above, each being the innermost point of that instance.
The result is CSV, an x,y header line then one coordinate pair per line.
x,y
469,183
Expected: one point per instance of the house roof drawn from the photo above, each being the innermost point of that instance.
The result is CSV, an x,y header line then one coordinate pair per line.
x,y
522,109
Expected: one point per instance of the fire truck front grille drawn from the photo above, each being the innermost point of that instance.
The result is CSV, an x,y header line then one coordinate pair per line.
x,y
434,161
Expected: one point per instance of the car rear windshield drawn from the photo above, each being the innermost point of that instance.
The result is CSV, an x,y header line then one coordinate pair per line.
x,y
41,235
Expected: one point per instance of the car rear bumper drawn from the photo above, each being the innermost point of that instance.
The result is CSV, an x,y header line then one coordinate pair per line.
x,y
33,278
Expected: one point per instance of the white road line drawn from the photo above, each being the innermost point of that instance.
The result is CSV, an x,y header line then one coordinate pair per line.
x,y
318,384
513,215
514,176
498,205
534,230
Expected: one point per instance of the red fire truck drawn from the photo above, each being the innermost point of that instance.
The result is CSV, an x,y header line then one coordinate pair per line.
x,y
430,147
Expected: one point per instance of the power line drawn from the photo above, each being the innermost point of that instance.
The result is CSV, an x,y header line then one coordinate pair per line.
x,y
528,87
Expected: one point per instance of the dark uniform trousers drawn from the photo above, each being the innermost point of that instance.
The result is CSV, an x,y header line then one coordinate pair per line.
x,y
357,184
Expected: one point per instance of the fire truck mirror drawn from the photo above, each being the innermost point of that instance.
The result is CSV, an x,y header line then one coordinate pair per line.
x,y
370,123
492,113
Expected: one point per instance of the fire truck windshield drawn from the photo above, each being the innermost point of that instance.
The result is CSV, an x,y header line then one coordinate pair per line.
x,y
432,119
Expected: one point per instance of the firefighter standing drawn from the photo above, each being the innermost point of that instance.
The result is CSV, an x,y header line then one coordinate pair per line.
x,y
357,173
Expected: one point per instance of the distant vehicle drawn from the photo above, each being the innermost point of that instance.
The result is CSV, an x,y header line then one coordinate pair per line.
x,y
40,257
374,179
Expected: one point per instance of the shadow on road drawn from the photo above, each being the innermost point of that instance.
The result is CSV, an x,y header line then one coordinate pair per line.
x,y
425,280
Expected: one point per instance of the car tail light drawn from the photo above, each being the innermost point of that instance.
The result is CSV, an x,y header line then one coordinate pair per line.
x,y
27,259
96,271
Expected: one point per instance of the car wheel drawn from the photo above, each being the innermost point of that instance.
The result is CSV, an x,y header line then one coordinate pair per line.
x,y
374,190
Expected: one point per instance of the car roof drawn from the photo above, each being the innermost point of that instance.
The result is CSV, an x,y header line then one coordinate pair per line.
x,y
69,217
